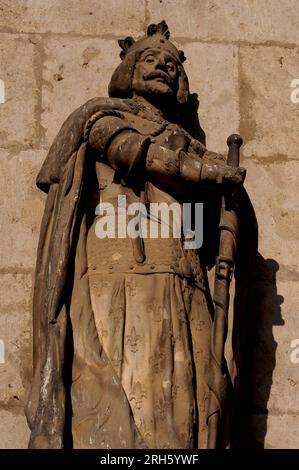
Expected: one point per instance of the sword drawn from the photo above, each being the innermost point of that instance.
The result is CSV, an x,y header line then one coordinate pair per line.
x,y
224,269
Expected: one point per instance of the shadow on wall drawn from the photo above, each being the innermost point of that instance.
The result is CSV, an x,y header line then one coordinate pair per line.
x,y
256,354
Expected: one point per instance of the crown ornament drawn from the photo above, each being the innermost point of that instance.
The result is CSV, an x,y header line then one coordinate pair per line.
x,y
160,29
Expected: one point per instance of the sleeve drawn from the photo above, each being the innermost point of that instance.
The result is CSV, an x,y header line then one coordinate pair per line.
x,y
133,154
117,143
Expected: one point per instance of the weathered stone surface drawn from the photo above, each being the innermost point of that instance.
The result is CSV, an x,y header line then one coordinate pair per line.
x,y
15,291
21,206
213,75
273,192
274,324
269,119
14,432
281,431
232,20
70,16
18,112
75,70
15,332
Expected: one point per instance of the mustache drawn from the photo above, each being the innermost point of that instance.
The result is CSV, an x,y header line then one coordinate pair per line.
x,y
158,74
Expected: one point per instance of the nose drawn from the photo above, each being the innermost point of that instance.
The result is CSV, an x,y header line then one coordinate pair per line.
x,y
161,64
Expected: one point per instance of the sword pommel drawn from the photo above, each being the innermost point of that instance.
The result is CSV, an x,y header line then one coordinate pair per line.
x,y
234,142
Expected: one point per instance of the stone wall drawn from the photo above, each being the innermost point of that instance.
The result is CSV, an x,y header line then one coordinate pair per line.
x,y
242,56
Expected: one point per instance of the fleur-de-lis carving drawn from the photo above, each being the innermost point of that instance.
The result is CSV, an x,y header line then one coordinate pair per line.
x,y
156,362
200,325
102,285
102,331
161,28
142,428
131,285
125,45
133,340
198,355
155,310
137,394
162,405
116,358
116,312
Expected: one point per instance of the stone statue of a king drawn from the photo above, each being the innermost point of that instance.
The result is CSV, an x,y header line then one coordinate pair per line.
x,y
122,321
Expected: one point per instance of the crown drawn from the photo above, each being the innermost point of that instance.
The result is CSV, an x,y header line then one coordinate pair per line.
x,y
160,29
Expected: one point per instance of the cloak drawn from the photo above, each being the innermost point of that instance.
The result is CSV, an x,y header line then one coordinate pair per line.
x,y
62,176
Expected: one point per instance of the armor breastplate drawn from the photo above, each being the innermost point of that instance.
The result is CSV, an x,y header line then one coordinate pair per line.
x,y
112,255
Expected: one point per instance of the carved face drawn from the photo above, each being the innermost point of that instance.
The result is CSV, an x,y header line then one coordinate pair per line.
x,y
155,73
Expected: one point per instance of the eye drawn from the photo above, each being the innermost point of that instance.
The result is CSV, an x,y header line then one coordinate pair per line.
x,y
149,59
170,66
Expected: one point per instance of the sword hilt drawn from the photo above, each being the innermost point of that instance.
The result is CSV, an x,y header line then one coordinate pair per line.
x,y
234,142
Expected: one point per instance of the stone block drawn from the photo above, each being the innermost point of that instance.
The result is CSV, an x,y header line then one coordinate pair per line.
x,y
269,118
75,70
273,191
249,20
15,291
18,125
213,74
14,432
70,16
15,332
183,17
277,432
21,206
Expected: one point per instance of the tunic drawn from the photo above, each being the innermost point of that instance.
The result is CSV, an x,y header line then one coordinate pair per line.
x,y
152,321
